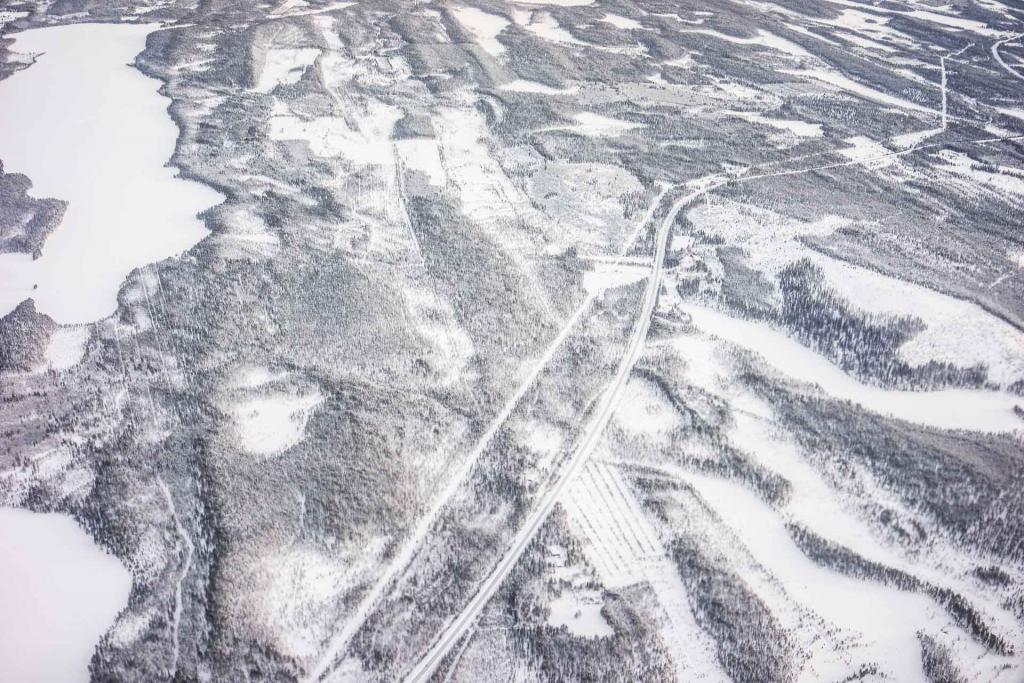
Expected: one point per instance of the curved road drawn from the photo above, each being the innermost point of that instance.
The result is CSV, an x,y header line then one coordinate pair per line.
x,y
465,619
999,58
337,645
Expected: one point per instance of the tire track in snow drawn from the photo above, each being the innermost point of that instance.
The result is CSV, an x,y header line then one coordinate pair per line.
x,y
190,549
592,499
689,646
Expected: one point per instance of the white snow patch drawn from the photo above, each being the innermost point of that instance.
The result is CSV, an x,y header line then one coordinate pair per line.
x,y
59,591
971,25
542,438
421,154
66,347
644,409
484,27
284,66
622,22
860,21
596,125
908,140
297,8
487,194
736,91
299,588
610,275
684,62
266,425
369,143
251,377
450,347
244,234
580,612
582,207
1014,112
546,26
865,150
91,130
866,43
539,88
763,38
130,626
801,129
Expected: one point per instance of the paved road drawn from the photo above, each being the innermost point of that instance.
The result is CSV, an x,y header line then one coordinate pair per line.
x,y
465,619
338,644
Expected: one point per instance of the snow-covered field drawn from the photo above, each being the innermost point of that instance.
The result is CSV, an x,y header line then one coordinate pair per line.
x,y
955,331
484,27
947,409
522,340
284,66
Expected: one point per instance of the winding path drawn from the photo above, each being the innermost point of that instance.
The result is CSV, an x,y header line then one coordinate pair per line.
x,y
999,58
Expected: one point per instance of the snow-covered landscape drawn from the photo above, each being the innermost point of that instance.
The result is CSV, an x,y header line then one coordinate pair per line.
x,y
526,340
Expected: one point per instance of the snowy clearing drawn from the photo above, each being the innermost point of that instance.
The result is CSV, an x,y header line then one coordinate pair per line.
x,y
484,27
267,425
421,154
284,66
538,88
596,125
801,129
946,409
66,347
619,21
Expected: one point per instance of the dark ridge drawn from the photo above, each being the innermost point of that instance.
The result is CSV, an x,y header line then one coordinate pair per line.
x,y
937,662
24,334
750,644
863,345
25,222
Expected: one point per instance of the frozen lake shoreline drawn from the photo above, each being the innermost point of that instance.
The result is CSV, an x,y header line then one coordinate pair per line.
x,y
59,591
88,128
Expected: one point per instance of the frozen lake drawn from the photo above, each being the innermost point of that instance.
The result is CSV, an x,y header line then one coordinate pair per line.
x,y
59,592
88,128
